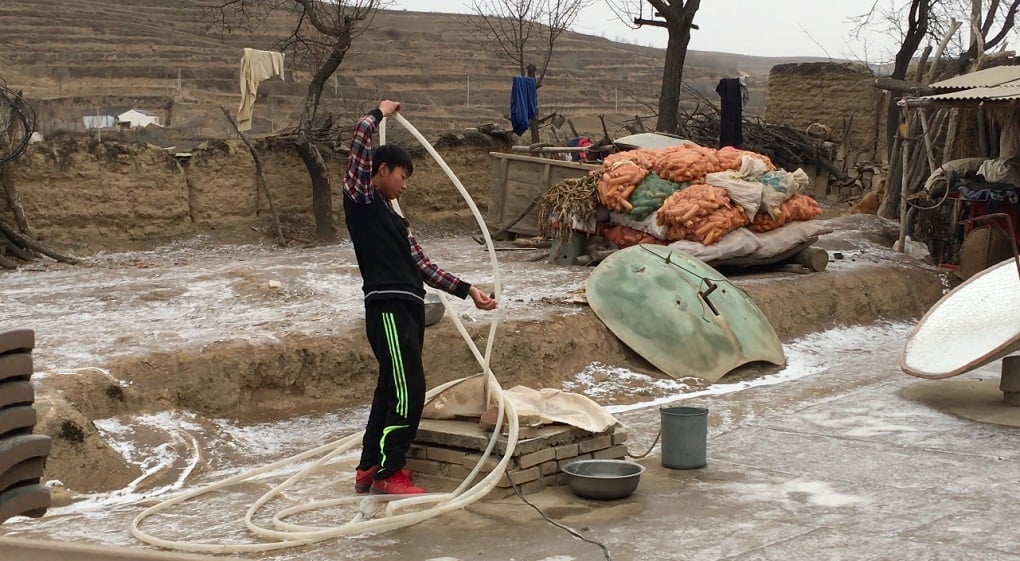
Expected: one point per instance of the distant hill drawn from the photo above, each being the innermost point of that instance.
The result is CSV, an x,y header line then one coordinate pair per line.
x,y
74,57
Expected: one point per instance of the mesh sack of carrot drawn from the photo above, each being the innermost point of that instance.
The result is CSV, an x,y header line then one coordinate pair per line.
x,y
797,207
701,213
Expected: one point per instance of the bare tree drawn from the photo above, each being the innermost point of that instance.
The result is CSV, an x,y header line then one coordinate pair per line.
x,y
990,23
524,32
915,21
17,123
323,33
677,17
917,16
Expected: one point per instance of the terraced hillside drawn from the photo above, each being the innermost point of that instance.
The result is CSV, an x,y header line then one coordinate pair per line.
x,y
77,57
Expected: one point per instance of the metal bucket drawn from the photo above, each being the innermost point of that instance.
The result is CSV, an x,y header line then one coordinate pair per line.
x,y
684,437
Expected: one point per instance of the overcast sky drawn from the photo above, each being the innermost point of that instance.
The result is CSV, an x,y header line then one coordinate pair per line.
x,y
750,27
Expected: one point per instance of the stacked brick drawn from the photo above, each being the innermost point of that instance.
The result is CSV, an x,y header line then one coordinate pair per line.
x,y
22,454
451,449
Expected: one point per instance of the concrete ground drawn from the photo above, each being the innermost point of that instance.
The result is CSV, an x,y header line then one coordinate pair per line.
x,y
825,459
835,464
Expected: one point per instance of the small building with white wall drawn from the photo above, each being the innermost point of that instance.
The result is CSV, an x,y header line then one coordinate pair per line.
x,y
134,118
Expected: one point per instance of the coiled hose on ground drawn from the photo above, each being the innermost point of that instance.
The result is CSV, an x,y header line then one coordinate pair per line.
x,y
400,511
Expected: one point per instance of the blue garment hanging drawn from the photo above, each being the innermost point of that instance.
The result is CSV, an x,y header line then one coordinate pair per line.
x,y
523,103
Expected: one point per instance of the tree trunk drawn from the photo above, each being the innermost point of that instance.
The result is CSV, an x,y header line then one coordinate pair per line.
x,y
672,76
533,123
917,28
322,197
13,198
9,190
890,207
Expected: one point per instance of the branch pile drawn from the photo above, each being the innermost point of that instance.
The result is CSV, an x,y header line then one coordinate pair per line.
x,y
787,147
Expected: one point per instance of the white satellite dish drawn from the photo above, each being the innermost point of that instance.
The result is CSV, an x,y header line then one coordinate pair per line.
x,y
977,323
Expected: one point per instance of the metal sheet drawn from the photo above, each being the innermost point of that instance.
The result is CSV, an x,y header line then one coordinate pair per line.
x,y
996,93
976,323
652,298
650,140
988,77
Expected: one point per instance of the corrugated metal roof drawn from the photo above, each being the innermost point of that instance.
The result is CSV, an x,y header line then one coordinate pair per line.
x,y
989,77
997,93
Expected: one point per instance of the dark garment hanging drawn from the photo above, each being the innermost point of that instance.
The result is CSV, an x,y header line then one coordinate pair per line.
x,y
523,103
731,132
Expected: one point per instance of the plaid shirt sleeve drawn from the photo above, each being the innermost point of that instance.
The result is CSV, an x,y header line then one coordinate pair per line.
x,y
358,181
433,275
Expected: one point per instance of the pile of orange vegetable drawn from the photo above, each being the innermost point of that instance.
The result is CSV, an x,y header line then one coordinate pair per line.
x,y
700,212
797,207
730,158
618,181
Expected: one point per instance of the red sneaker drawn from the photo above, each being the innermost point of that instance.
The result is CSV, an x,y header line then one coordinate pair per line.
x,y
397,484
363,478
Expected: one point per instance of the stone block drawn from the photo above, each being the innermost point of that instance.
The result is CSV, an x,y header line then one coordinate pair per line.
x,y
548,468
458,472
424,467
619,438
520,477
535,458
535,486
612,453
448,455
468,435
567,451
469,460
597,443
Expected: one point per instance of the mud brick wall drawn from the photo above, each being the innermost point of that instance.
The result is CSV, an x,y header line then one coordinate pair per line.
x,y
22,454
536,462
835,94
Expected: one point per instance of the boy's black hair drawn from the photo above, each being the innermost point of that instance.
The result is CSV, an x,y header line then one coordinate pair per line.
x,y
393,156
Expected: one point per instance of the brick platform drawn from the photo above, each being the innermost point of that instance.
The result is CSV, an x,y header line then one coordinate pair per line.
x,y
447,451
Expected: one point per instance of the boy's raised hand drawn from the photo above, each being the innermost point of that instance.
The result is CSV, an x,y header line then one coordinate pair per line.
x,y
388,107
481,299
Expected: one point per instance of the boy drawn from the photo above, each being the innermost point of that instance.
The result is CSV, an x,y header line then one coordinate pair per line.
x,y
393,268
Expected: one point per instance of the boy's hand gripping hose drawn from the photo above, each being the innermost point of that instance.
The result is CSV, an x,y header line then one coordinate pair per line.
x,y
397,512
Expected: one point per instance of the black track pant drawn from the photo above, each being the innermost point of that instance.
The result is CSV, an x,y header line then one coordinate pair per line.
x,y
396,331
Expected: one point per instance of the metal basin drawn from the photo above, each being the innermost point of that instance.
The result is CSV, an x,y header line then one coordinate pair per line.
x,y
434,309
603,479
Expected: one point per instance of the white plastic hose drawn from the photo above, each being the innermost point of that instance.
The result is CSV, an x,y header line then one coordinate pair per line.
x,y
289,534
